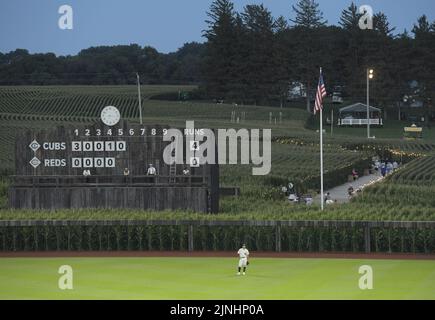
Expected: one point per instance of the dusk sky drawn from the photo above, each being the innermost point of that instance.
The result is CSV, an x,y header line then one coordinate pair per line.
x,y
163,24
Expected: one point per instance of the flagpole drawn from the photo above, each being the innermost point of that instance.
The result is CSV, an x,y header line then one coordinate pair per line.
x,y
321,156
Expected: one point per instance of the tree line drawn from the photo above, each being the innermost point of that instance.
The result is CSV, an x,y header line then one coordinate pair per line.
x,y
104,65
252,56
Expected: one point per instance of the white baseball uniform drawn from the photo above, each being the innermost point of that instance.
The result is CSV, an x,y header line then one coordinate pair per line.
x,y
151,171
243,254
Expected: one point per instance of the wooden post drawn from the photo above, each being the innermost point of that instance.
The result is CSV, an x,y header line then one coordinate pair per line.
x,y
190,238
278,238
367,238
332,121
35,237
14,239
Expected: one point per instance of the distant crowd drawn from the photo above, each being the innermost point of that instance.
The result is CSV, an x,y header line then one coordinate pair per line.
x,y
378,166
384,167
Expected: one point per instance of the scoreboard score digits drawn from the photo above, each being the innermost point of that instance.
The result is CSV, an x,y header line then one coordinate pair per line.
x,y
90,146
93,162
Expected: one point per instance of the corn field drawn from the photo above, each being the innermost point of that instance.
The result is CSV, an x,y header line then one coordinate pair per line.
x,y
305,236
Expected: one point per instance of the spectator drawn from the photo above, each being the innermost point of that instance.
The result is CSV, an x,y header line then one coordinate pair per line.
x,y
377,165
151,170
383,169
354,174
308,200
126,172
395,165
293,198
330,201
350,191
186,174
389,167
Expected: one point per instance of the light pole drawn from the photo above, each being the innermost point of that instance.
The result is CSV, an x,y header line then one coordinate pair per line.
x,y
370,75
139,98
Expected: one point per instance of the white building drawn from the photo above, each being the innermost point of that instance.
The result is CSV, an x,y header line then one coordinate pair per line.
x,y
356,115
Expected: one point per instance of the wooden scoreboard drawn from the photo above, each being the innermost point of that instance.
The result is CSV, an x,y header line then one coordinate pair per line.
x,y
105,165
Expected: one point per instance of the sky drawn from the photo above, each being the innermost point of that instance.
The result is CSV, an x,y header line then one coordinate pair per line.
x,y
163,24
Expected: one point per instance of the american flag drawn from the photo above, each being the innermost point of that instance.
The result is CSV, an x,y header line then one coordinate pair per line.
x,y
321,93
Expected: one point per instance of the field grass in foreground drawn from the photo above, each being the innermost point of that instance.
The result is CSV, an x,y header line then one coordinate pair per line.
x,y
214,278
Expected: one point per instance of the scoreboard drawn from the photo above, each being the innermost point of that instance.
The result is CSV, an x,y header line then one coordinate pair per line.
x,y
105,165
102,150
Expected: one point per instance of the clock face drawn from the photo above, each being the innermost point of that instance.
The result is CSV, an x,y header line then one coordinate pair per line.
x,y
110,116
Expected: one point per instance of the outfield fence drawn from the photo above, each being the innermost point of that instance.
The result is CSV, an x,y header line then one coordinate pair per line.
x,y
202,235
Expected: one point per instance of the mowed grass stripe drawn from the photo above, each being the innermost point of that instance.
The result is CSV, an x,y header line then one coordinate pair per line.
x,y
215,278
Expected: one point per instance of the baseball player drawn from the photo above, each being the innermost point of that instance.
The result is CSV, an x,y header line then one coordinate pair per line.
x,y
151,170
243,261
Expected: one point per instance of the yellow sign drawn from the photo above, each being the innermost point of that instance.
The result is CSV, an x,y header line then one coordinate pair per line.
x,y
413,129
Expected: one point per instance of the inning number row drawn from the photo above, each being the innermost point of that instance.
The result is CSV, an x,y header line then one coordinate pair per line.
x,y
120,132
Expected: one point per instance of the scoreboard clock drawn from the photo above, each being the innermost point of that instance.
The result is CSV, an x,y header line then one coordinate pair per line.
x,y
110,116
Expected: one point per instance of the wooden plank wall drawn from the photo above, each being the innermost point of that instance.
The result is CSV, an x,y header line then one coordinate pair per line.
x,y
141,151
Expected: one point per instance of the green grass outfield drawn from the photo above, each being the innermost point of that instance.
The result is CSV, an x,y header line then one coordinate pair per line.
x,y
215,278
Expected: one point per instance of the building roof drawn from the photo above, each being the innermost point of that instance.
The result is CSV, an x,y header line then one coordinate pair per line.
x,y
358,107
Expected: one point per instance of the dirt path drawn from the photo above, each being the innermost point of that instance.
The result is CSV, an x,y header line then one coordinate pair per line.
x,y
340,193
196,254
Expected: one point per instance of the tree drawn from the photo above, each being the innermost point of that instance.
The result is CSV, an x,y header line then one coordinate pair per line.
x,y
280,24
260,65
281,56
103,65
381,24
353,50
422,28
221,53
184,64
308,19
381,56
423,62
222,18
308,14
350,17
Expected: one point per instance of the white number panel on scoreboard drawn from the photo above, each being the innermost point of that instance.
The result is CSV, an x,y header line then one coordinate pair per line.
x,y
98,146
93,162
